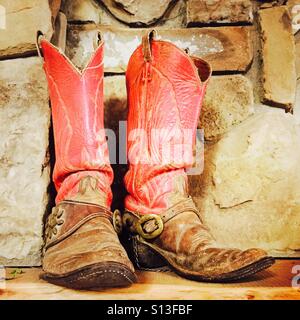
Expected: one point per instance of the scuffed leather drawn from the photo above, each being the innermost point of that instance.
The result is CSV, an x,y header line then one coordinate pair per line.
x,y
77,110
67,217
95,242
165,92
188,245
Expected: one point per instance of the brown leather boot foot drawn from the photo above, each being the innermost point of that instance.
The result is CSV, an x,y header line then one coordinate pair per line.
x,y
82,249
178,238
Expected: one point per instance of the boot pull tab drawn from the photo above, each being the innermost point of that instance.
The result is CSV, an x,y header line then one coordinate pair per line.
x,y
39,35
146,44
99,38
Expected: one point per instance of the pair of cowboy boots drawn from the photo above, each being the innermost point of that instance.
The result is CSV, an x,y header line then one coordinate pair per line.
x,y
82,250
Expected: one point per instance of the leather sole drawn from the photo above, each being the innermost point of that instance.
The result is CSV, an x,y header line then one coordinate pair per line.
x,y
99,275
232,276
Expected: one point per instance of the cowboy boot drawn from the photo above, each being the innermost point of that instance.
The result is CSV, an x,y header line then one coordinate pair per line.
x,y
82,249
165,91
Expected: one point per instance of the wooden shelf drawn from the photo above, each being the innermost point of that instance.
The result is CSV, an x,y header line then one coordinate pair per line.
x,y
275,283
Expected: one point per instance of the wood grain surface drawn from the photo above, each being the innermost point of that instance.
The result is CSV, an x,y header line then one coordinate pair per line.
x,y
276,283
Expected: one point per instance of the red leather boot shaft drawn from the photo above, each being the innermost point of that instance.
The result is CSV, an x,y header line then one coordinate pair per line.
x,y
165,93
77,112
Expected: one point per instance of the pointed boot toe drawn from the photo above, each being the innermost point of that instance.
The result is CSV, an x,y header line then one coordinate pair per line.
x,y
178,238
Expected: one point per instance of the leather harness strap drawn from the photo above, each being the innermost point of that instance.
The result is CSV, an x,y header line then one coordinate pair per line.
x,y
150,226
183,206
146,44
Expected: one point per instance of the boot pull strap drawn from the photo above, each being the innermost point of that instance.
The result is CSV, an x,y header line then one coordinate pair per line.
x,y
183,206
39,34
146,44
99,38
59,37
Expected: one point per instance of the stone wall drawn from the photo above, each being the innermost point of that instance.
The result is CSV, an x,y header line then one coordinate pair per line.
x,y
24,132
249,192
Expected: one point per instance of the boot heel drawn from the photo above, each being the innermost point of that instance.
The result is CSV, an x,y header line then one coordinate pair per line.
x,y
145,258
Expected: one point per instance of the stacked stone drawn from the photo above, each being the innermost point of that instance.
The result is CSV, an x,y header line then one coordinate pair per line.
x,y
24,132
249,191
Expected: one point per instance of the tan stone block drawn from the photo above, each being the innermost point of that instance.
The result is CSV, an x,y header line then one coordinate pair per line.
x,y
174,18
228,101
278,54
226,48
218,11
24,167
59,38
250,189
138,12
88,10
23,19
